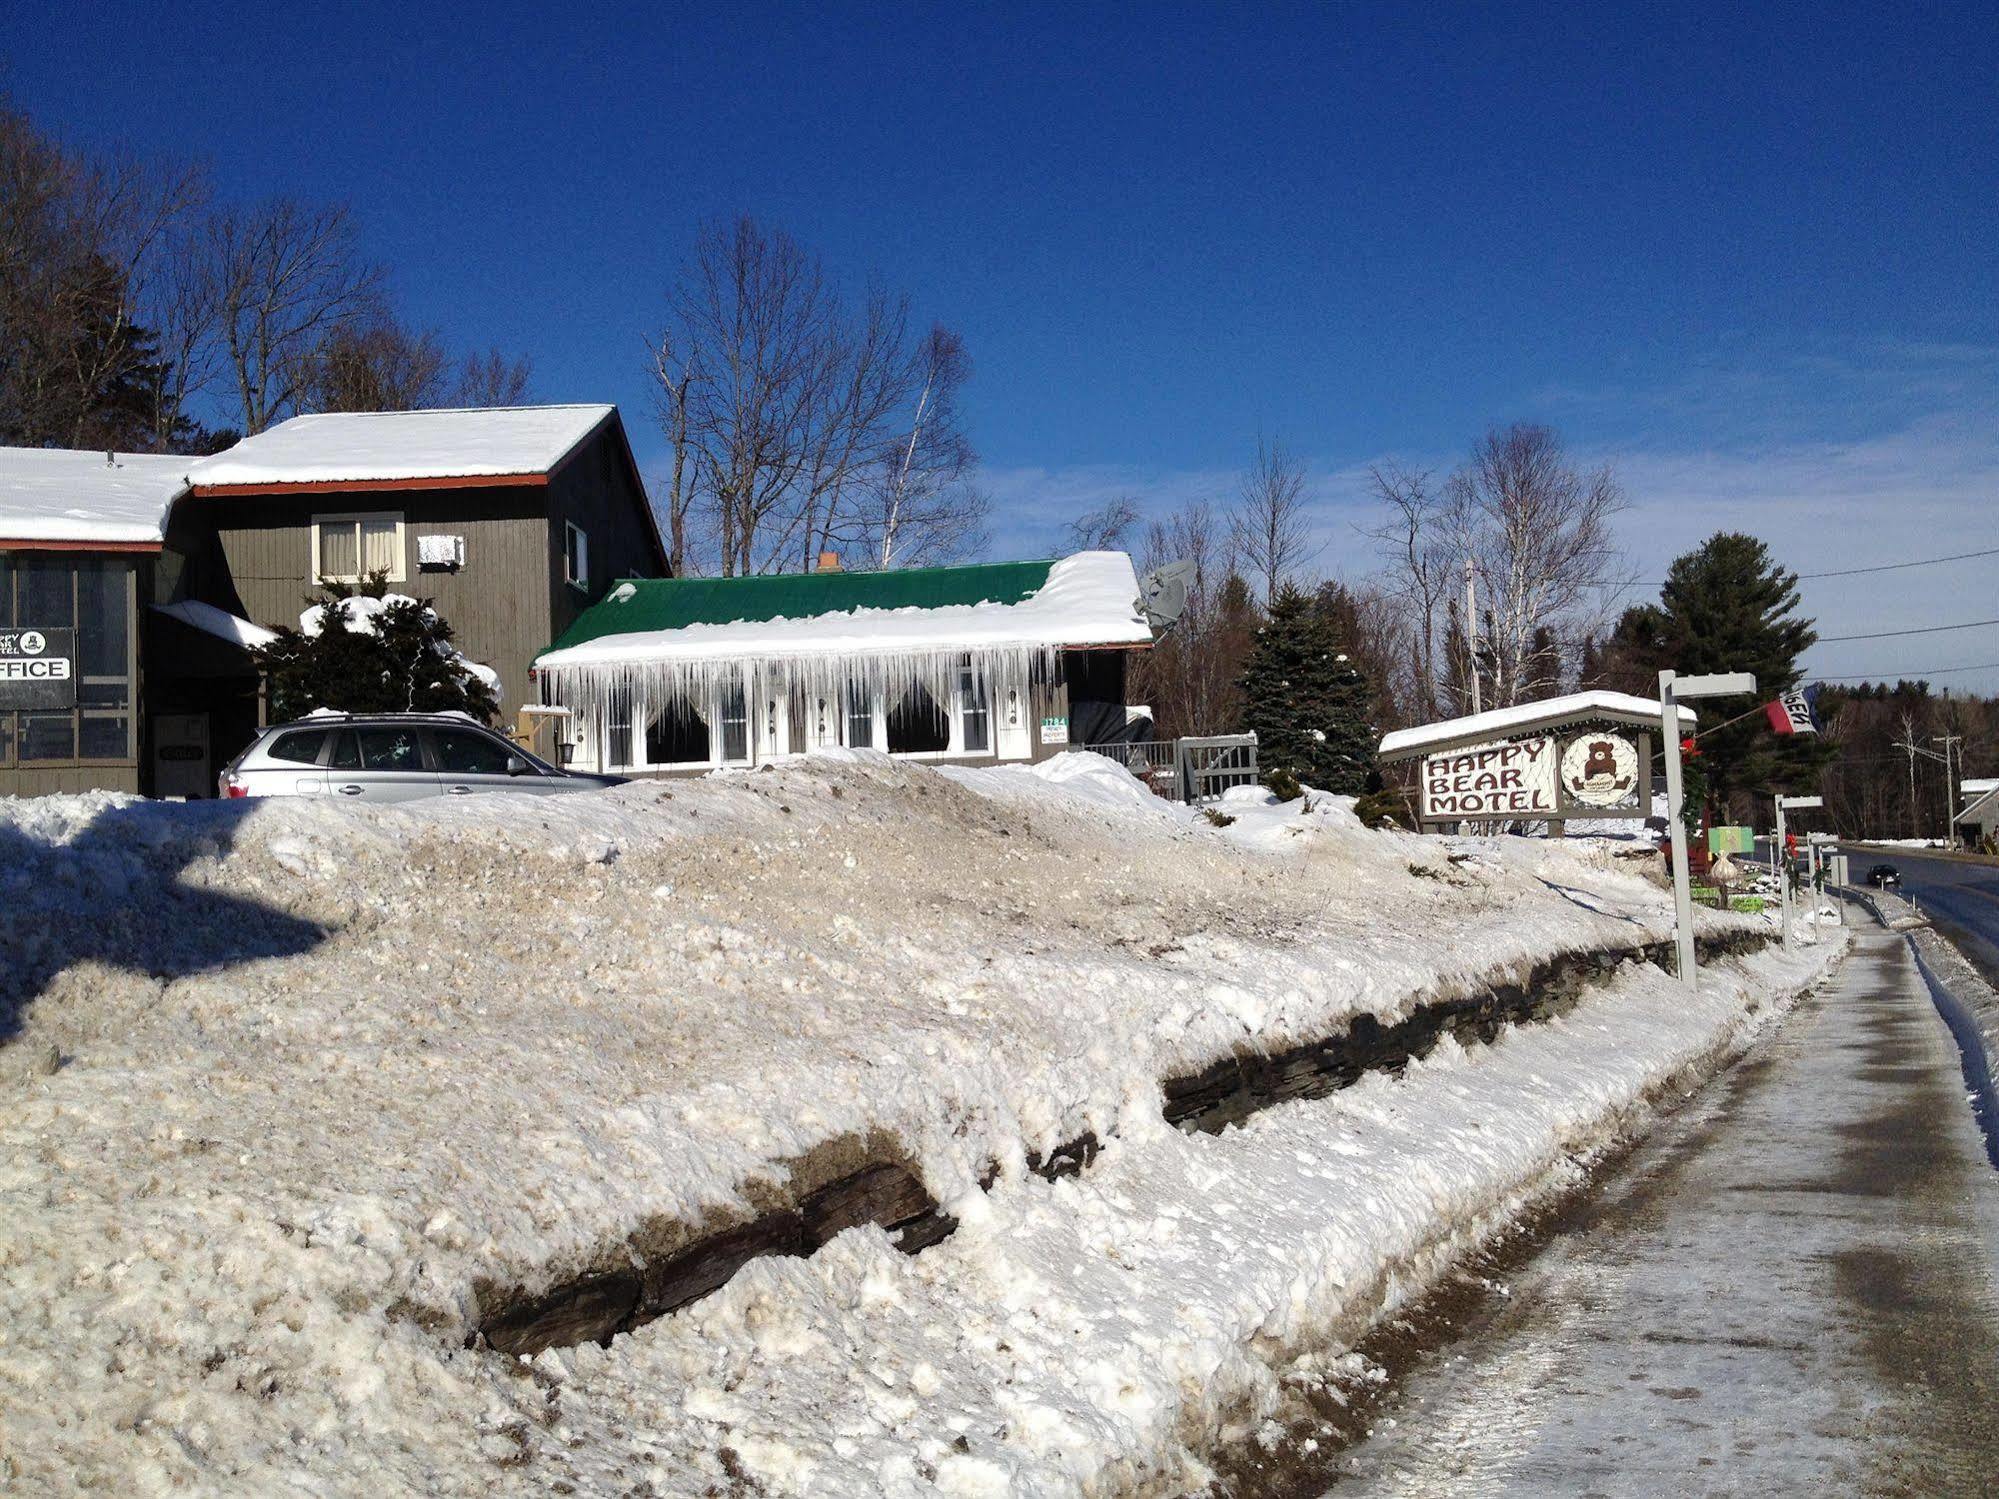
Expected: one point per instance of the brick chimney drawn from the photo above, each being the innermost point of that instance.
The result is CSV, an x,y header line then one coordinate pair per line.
x,y
829,562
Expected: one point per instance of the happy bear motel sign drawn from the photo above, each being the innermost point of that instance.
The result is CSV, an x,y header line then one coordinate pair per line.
x,y
1532,778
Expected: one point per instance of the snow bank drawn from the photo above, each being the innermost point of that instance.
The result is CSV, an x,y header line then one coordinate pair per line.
x,y
326,1067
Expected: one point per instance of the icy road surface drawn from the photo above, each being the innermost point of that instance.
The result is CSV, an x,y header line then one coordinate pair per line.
x,y
1791,1289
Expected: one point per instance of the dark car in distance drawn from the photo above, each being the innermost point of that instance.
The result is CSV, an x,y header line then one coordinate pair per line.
x,y
1884,875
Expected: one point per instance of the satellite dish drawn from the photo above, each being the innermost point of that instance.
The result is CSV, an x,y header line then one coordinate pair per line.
x,y
1162,594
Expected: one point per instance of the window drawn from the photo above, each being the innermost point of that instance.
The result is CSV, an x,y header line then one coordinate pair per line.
x,y
461,752
575,555
347,548
677,735
917,726
975,712
734,715
860,717
90,596
346,752
390,749
618,730
300,747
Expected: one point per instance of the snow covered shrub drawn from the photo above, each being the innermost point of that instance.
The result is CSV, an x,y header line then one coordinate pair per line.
x,y
366,650
1283,784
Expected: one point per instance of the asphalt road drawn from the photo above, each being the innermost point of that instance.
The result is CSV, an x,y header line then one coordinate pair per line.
x,y
1960,896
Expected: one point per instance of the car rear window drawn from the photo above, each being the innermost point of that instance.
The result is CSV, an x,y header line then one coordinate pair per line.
x,y
461,752
300,747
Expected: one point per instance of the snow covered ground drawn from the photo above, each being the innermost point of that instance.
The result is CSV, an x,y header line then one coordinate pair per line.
x,y
323,1069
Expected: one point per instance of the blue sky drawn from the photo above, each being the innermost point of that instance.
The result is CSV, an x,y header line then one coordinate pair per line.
x,y
1750,259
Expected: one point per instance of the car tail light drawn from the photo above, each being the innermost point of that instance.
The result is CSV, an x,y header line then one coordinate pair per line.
x,y
233,784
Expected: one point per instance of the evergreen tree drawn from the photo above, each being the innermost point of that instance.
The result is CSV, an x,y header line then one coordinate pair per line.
x,y
1728,606
1306,700
391,656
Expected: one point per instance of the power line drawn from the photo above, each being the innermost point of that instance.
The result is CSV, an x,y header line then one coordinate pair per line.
x,y
1925,630
1889,567
1904,673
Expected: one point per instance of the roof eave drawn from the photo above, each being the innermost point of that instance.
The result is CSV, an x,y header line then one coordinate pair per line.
x,y
352,486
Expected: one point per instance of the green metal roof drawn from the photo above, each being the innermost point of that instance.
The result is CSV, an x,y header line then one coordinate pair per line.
x,y
675,603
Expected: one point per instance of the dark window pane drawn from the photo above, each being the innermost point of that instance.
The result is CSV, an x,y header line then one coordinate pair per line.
x,y
346,752
917,726
618,729
465,754
6,738
977,717
100,607
48,736
6,589
390,749
300,747
677,736
860,718
106,736
47,594
735,716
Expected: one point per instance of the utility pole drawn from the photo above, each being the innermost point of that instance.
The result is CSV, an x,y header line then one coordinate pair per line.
x,y
1471,630
1908,742
1949,787
1673,687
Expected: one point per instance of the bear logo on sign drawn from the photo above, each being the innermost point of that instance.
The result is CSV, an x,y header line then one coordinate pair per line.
x,y
1600,770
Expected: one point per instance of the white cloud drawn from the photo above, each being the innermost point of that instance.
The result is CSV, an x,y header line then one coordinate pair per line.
x,y
1922,486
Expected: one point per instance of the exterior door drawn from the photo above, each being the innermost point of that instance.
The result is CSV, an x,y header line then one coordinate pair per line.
x,y
1012,739
181,765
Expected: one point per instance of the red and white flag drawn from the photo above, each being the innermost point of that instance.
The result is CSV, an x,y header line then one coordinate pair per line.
x,y
1796,712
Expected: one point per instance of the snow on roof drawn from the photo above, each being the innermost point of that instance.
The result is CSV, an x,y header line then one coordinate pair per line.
x,y
1981,806
386,446
218,622
1976,786
59,494
1088,599
1501,722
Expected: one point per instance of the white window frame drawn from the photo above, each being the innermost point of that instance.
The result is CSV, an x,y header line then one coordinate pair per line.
x,y
574,576
397,574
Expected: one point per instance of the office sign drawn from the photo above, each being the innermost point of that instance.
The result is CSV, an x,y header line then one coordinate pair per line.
x,y
1492,781
37,668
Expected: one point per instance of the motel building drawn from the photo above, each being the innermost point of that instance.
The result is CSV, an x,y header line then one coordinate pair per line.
x,y
984,663
133,587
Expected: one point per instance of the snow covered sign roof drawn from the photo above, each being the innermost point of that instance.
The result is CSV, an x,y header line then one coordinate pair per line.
x,y
678,636
1595,706
402,449
71,499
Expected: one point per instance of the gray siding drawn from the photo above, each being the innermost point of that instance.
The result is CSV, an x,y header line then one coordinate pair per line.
x,y
599,490
260,562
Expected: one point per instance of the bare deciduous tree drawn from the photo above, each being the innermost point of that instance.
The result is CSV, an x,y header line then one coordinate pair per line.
x,y
1539,535
492,379
800,425
1534,533
1269,531
289,277
1105,528
1190,677
82,242
1421,576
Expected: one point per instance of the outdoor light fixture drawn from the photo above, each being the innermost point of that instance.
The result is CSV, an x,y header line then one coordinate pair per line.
x,y
1673,688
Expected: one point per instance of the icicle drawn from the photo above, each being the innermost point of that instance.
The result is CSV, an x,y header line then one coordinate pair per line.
x,y
650,686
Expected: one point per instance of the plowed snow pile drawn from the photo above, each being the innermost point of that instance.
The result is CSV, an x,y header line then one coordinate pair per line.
x,y
324,1068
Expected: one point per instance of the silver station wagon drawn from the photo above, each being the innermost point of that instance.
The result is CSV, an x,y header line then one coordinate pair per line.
x,y
392,757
